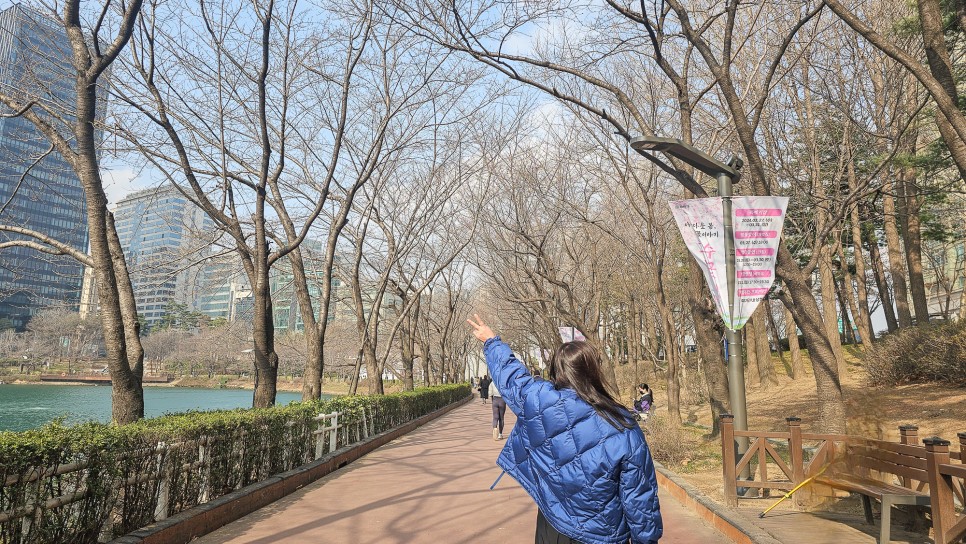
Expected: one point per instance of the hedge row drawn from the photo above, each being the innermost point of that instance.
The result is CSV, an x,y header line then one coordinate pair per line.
x,y
125,477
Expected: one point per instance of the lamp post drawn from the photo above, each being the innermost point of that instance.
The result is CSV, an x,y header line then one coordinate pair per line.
x,y
725,175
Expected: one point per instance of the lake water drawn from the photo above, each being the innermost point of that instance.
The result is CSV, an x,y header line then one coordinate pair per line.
x,y
25,407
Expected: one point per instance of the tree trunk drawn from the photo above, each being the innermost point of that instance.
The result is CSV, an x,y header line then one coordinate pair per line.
x,y
374,378
407,352
263,335
118,311
765,367
312,376
942,69
791,332
652,347
909,208
962,297
798,296
670,353
895,256
127,392
773,327
829,309
751,353
354,381
846,303
878,272
864,318
707,337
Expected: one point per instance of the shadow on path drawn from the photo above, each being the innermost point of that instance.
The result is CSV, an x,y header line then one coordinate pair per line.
x,y
430,486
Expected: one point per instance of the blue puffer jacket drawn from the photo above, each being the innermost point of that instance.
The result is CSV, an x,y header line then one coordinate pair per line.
x,y
593,482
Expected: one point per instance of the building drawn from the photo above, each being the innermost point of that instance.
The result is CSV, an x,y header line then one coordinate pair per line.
x,y
945,279
164,236
225,291
38,188
285,306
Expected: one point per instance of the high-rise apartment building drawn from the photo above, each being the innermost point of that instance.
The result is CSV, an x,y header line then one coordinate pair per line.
x,y
164,236
38,188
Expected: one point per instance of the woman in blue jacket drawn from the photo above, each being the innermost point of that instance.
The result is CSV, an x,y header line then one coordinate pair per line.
x,y
575,449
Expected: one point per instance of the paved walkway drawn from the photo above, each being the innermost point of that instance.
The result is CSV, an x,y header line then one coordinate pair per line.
x,y
430,486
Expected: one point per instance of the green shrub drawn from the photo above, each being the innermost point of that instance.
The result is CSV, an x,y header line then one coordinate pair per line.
x,y
923,354
126,477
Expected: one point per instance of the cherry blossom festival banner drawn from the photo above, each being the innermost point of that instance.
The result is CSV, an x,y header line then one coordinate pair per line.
x,y
758,222
571,334
701,225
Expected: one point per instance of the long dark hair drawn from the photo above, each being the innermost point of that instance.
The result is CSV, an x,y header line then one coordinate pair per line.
x,y
576,365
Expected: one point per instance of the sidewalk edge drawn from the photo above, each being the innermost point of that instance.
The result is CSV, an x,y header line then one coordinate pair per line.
x,y
205,518
732,524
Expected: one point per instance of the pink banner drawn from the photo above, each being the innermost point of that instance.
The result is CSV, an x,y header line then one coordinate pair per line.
x,y
753,274
758,222
701,222
755,252
751,234
759,212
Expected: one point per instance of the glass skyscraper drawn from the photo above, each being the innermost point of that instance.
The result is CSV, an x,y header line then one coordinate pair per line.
x,y
163,235
38,188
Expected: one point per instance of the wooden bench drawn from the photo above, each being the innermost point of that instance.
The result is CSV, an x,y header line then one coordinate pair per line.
x,y
891,473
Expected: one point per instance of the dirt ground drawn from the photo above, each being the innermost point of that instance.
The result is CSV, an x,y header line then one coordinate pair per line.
x,y
872,412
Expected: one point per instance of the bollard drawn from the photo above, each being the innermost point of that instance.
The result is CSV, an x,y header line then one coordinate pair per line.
x,y
334,432
909,434
164,486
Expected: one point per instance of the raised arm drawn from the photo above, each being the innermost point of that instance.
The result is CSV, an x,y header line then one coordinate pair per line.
x,y
510,375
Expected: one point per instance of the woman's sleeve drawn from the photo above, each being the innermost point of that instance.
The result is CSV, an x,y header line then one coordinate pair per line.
x,y
511,377
638,489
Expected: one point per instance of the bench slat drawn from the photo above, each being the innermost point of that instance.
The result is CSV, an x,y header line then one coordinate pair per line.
x,y
869,487
896,458
886,467
895,447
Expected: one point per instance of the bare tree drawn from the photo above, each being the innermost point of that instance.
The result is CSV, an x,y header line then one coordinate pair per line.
x,y
415,222
250,161
96,38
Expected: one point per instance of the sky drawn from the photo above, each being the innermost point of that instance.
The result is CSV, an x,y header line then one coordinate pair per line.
x,y
121,180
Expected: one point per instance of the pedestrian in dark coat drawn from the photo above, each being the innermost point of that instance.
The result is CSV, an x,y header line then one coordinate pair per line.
x,y
485,388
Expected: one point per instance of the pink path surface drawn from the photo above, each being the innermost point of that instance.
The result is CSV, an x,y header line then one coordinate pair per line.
x,y
430,486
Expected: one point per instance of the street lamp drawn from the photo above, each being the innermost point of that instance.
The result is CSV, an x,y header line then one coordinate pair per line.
x,y
725,175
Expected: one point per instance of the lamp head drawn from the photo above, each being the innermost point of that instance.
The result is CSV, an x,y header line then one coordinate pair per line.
x,y
687,154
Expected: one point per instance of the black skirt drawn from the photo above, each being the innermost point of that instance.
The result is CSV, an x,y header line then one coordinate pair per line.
x,y
546,534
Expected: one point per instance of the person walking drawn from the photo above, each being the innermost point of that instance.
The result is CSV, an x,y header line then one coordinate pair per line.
x,y
575,449
485,387
499,411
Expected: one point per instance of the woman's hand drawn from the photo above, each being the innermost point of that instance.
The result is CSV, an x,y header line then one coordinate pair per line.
x,y
480,330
